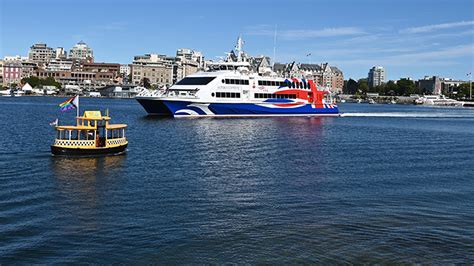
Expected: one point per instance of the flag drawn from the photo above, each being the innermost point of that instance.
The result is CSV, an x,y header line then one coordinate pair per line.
x,y
54,123
69,104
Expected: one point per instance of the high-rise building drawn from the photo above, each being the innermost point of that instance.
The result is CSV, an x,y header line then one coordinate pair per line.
x,y
82,52
41,53
376,76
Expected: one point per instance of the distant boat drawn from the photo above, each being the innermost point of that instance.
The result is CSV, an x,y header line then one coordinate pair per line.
x,y
371,101
438,100
6,93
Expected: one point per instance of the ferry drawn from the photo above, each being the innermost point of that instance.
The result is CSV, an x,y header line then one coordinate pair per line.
x,y
438,100
231,89
92,135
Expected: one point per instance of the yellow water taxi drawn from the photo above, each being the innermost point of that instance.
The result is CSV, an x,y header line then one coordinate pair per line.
x,y
92,135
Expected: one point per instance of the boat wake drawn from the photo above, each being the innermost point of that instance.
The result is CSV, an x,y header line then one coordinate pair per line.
x,y
408,115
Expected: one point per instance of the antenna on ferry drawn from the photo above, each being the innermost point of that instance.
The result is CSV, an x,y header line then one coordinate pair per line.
x,y
238,48
274,46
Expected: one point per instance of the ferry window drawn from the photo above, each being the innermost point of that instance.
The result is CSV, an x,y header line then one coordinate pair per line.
x,y
227,81
260,83
237,95
232,81
223,81
246,82
218,94
212,94
304,85
195,81
273,83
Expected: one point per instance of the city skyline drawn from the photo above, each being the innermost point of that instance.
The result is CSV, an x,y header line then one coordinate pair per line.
x,y
408,40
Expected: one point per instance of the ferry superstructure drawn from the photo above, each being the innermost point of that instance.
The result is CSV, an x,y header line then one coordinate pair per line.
x,y
230,89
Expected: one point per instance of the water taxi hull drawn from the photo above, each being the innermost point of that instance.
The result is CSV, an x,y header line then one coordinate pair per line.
x,y
194,109
55,150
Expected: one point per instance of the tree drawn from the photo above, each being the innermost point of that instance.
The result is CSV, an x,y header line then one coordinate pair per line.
x,y
363,87
406,87
391,88
351,87
35,82
463,91
146,83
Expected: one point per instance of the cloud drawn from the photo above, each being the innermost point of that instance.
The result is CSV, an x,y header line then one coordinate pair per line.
x,y
430,28
298,34
415,58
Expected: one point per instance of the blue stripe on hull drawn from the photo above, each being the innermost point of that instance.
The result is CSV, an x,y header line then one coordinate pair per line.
x,y
183,108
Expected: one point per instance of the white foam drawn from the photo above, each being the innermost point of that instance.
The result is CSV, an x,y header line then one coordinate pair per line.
x,y
408,115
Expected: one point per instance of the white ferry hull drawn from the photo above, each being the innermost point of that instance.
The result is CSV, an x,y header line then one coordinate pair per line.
x,y
179,108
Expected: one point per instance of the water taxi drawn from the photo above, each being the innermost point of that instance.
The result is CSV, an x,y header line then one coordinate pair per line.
x,y
92,135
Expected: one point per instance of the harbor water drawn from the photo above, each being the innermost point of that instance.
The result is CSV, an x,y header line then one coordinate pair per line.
x,y
381,184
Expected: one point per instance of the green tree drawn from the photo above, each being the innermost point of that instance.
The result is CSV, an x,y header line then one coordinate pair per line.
x,y
406,87
33,81
146,83
463,91
362,86
391,88
351,87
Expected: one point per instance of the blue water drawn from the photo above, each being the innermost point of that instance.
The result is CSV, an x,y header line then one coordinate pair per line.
x,y
383,184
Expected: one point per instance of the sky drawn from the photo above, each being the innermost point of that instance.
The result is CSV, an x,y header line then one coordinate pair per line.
x,y
409,38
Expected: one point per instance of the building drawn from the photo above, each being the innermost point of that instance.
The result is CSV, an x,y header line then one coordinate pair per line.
x,y
125,70
60,53
190,55
450,86
324,75
112,68
376,77
59,65
15,58
1,71
28,69
260,64
430,85
41,53
12,72
157,69
81,52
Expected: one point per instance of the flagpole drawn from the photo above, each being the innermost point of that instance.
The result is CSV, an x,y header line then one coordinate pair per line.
x,y
470,86
77,105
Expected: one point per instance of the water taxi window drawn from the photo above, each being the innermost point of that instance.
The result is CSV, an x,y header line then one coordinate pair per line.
x,y
195,81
